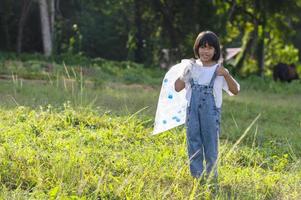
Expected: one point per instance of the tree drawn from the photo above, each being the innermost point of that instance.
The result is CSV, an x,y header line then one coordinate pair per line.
x,y
260,22
7,16
46,30
138,35
26,4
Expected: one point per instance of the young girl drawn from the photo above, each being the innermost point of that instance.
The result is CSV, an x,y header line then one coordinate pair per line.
x,y
204,80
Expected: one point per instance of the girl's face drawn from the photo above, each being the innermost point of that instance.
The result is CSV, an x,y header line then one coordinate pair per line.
x,y
206,53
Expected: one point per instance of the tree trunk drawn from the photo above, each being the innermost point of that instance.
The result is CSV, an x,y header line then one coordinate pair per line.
x,y
52,25
167,22
138,33
46,34
52,18
248,41
260,9
5,11
260,55
24,13
260,47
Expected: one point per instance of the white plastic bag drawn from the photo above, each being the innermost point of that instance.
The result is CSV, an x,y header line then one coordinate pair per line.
x,y
171,108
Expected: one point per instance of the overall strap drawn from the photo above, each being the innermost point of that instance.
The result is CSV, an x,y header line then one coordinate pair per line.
x,y
213,77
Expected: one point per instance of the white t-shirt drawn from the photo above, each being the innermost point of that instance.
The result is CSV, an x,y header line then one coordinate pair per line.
x,y
202,75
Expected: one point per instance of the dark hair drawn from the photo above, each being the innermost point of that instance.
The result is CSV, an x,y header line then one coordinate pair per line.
x,y
210,38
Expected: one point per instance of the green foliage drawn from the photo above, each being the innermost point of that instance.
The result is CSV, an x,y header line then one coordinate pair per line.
x,y
252,23
101,36
279,53
65,138
67,153
98,69
135,31
250,68
267,84
232,32
75,41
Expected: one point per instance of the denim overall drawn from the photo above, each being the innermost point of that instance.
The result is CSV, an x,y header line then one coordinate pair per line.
x,y
202,122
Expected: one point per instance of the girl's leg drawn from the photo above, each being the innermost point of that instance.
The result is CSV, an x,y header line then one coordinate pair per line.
x,y
210,133
194,144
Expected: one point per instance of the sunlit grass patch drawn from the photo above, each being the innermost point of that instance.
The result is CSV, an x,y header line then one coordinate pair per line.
x,y
65,152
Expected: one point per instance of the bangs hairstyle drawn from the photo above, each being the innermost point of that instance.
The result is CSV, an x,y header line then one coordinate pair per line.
x,y
210,38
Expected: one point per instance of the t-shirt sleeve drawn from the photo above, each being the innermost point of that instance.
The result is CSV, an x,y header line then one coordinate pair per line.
x,y
226,88
187,85
187,70
188,75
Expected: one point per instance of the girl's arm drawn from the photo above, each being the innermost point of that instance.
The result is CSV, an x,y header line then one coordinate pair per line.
x,y
180,82
221,71
231,83
179,85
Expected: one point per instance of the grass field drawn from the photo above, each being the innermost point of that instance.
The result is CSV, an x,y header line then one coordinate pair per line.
x,y
63,139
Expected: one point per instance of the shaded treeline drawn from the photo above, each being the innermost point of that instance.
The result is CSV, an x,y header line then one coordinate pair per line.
x,y
139,30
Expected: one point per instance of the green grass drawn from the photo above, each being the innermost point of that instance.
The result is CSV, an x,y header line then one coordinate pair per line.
x,y
68,153
97,70
73,138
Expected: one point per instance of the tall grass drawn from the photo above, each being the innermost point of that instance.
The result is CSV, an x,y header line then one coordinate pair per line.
x,y
70,137
68,153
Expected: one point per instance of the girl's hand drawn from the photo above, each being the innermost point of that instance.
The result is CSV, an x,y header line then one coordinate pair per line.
x,y
186,73
192,61
221,71
232,84
188,62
